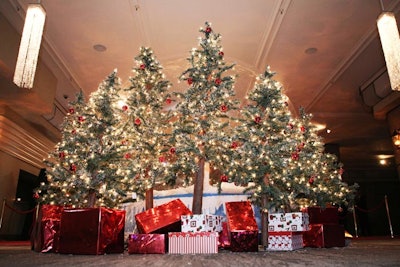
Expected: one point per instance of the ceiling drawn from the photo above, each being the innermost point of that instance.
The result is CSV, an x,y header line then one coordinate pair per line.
x,y
322,51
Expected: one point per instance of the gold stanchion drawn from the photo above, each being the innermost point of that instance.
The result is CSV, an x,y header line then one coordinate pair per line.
x,y
2,212
388,214
355,221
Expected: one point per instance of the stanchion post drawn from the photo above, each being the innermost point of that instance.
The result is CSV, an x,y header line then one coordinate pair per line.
x,y
388,215
3,206
355,221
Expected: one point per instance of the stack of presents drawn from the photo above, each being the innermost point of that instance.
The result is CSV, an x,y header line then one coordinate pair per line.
x,y
172,228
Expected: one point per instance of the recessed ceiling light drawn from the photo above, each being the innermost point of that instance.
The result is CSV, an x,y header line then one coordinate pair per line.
x,y
311,50
99,48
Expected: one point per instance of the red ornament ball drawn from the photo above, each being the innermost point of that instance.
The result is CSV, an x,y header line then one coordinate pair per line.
x,y
35,196
208,29
234,145
168,101
221,53
161,159
72,167
138,121
142,66
128,155
295,156
290,126
224,178
71,111
61,155
311,180
257,119
189,81
172,150
218,81
224,108
124,107
81,119
302,129
73,131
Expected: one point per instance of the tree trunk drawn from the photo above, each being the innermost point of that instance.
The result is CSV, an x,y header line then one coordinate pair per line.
x,y
198,189
91,198
149,198
264,221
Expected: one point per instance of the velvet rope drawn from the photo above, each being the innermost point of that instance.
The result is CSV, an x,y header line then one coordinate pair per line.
x,y
20,211
373,209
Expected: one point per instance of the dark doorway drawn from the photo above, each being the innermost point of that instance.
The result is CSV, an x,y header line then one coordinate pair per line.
x,y
25,201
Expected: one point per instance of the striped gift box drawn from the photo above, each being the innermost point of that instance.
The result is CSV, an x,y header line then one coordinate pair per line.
x,y
193,243
285,241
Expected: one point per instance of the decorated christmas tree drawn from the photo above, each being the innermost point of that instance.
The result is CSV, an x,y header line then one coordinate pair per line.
x,y
264,146
200,131
85,167
322,172
146,126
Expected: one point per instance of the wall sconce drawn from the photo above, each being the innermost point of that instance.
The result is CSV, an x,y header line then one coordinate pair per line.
x,y
390,41
29,48
396,138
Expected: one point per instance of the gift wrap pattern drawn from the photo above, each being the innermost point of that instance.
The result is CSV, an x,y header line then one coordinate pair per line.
x,y
201,223
285,241
193,243
291,221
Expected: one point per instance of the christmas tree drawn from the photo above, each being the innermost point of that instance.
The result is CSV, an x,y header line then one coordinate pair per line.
x,y
322,172
264,146
145,129
59,170
85,165
200,131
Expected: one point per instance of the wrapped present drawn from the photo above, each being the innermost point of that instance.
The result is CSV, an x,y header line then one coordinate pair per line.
x,y
193,243
240,216
324,236
146,244
318,215
224,237
92,231
285,241
288,222
162,219
45,232
244,241
201,223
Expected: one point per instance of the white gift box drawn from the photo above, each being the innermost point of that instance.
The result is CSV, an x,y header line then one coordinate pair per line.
x,y
192,243
201,223
291,221
285,241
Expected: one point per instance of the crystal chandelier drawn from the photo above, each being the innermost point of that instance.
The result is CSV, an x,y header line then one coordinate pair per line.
x,y
29,48
390,41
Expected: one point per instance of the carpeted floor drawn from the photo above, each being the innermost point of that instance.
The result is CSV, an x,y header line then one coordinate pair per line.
x,y
359,252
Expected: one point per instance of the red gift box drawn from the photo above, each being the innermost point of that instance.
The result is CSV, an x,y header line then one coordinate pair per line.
x,y
162,219
240,216
244,241
92,231
324,236
45,233
318,215
146,244
193,242
224,238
